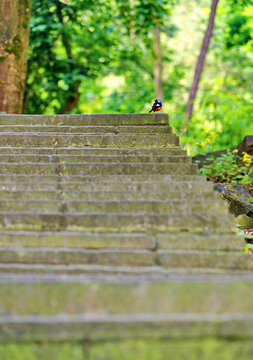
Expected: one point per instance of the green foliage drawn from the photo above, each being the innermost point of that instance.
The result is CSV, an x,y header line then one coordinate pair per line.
x,y
98,56
238,32
82,42
68,43
149,12
230,168
224,100
222,121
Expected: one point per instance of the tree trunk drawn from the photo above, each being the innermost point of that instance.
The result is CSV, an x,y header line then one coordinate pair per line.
x,y
158,65
73,99
131,25
200,63
14,39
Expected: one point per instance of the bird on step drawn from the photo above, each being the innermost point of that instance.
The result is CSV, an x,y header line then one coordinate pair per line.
x,y
157,106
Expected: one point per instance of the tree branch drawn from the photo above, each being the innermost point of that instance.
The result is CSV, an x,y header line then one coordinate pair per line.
x,y
200,63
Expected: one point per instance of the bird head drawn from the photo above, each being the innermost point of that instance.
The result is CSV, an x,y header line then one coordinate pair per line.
x,y
158,101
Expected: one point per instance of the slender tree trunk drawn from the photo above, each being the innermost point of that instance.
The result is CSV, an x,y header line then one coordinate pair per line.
x,y
200,63
132,35
73,98
14,39
158,65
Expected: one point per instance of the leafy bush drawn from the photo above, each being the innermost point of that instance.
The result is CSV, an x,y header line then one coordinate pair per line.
x,y
230,168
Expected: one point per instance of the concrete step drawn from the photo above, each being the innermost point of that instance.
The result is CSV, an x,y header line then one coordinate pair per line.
x,y
84,240
103,328
124,257
206,259
133,257
82,140
91,151
110,257
64,194
98,168
105,186
199,295
86,120
200,241
106,222
64,179
44,309
118,206
157,129
75,273
92,159
89,240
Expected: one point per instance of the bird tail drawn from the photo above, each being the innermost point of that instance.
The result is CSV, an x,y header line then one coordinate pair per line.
x,y
150,111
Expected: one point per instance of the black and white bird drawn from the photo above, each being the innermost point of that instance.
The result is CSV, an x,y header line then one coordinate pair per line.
x,y
157,106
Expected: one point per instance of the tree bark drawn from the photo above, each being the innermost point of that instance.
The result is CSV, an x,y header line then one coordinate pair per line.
x,y
131,25
200,63
158,65
14,40
73,98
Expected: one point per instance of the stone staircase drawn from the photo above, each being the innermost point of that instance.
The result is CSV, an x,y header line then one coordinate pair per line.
x,y
107,232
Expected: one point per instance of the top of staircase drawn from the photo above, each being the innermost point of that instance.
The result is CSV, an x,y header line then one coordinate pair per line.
x,y
86,119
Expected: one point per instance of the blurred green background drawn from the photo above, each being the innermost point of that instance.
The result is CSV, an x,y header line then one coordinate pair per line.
x,y
98,57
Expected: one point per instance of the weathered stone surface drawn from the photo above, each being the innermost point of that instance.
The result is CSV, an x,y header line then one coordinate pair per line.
x,y
209,259
91,151
130,194
164,180
244,222
79,240
158,129
105,140
80,256
106,186
98,168
105,206
62,159
213,296
89,240
122,302
107,232
88,120
237,196
199,241
100,273
135,257
103,328
128,222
